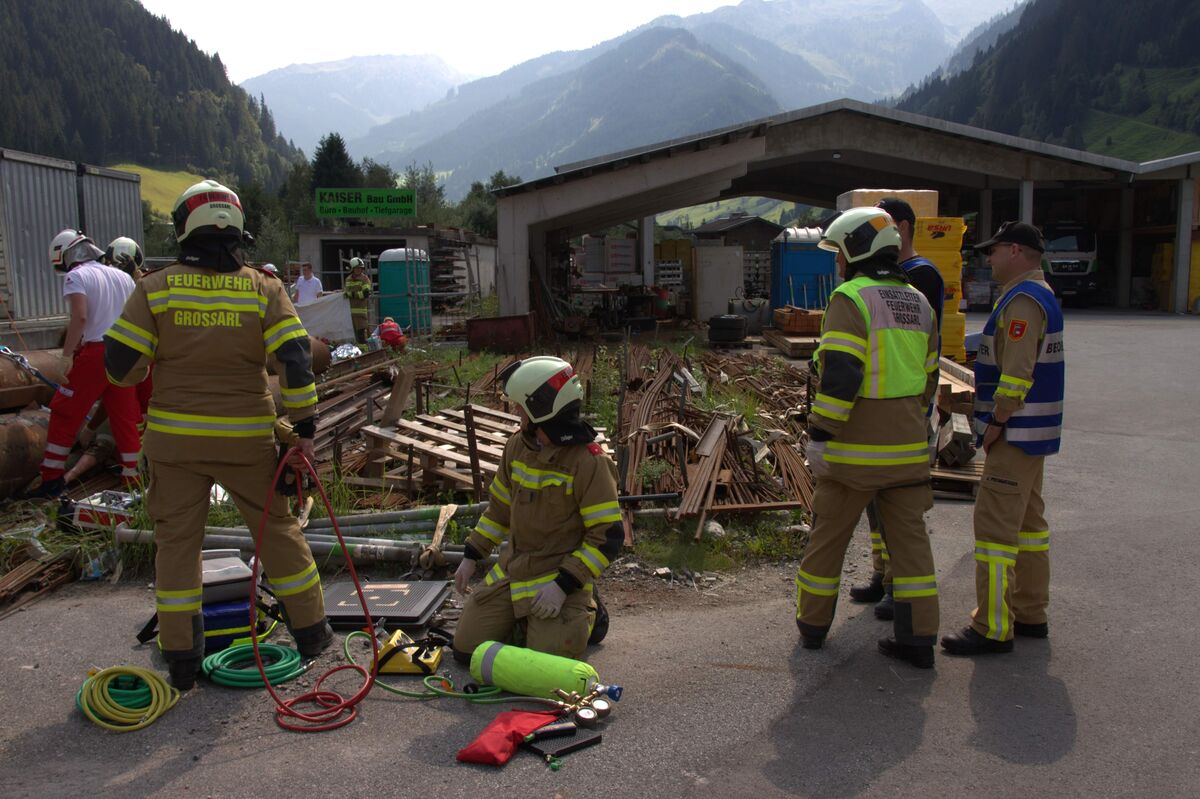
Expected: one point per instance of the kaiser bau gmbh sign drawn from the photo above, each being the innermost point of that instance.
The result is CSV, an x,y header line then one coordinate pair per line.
x,y
366,202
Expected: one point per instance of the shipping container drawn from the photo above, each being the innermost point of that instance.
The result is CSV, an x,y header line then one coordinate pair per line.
x,y
39,196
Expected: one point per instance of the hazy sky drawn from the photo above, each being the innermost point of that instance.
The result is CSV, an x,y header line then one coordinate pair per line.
x,y
478,38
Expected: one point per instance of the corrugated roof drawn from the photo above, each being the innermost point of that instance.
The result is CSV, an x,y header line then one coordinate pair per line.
x,y
759,127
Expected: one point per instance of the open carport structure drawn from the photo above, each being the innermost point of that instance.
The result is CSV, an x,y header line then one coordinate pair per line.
x,y
814,154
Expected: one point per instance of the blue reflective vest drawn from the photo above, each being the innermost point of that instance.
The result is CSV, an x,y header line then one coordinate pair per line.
x,y
1037,427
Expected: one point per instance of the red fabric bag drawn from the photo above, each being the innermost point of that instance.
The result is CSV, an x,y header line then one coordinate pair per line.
x,y
499,740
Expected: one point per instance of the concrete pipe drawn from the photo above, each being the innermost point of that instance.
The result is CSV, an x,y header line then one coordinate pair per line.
x,y
19,388
22,445
321,357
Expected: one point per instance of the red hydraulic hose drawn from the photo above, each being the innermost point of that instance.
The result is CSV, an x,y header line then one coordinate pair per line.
x,y
334,710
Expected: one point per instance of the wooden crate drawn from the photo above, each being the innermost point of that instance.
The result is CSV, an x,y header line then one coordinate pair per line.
x,y
791,319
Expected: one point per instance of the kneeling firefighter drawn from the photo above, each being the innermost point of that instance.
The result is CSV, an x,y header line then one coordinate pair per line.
x,y
554,499
209,324
877,363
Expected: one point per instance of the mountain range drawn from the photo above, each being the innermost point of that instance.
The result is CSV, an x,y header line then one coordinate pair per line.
x,y
671,77
352,95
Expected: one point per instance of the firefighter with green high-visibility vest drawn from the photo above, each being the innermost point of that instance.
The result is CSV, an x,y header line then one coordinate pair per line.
x,y
357,289
209,324
554,501
877,365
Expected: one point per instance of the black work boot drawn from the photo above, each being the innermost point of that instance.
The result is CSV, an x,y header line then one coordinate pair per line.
x,y
1027,630
810,637
183,672
967,642
871,592
886,609
919,656
600,625
314,639
49,489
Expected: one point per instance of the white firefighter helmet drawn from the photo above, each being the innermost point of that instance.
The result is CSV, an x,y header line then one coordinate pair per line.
x,y
543,386
357,263
270,268
208,207
860,233
71,247
125,254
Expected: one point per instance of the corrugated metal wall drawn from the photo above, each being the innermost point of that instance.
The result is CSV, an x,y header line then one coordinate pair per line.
x,y
40,196
112,205
39,200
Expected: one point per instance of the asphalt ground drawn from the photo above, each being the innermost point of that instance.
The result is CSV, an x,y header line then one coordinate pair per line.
x,y
720,700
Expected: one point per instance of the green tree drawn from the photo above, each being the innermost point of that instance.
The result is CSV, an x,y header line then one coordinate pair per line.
x,y
332,166
378,176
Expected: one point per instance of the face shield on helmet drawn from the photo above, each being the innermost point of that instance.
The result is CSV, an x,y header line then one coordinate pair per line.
x,y
125,254
71,247
210,209
542,386
860,233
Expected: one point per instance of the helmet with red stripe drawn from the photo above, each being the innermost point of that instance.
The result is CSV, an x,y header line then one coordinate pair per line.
x,y
208,208
543,386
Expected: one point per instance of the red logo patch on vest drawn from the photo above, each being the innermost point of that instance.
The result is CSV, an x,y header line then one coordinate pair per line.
x,y
1017,328
595,449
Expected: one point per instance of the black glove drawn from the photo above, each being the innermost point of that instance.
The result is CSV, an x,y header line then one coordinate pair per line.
x,y
286,484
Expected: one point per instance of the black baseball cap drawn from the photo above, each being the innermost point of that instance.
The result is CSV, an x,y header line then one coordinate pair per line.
x,y
1015,233
899,210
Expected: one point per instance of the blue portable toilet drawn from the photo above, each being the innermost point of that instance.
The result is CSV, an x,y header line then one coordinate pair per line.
x,y
802,274
404,288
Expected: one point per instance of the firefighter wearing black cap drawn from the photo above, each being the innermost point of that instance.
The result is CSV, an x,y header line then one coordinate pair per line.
x,y
924,276
877,367
554,499
1020,375
209,324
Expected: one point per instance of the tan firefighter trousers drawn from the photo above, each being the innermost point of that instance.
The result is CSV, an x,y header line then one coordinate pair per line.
x,y
836,511
177,501
1012,543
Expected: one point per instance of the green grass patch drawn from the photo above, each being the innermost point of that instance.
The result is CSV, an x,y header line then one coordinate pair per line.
x,y
161,188
1134,139
748,539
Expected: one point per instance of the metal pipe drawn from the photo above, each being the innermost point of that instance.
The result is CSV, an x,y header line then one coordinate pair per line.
x,y
386,529
634,498
429,512
359,549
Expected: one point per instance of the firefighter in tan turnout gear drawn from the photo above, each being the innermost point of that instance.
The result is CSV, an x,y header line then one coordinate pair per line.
x,y
554,499
357,289
209,324
877,364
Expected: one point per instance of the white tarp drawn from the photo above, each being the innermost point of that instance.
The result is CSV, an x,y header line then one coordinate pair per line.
x,y
328,318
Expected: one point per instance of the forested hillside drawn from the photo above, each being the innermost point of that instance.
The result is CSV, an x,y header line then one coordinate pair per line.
x,y
105,81
1108,75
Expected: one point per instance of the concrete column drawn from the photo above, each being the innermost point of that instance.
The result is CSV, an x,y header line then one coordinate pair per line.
x,y
1027,201
512,258
985,224
646,248
1125,249
1183,243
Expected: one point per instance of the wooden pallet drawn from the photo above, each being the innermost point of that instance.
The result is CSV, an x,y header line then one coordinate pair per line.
x,y
791,345
440,449
961,484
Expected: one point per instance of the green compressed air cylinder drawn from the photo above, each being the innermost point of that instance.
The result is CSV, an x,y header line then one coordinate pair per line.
x,y
529,673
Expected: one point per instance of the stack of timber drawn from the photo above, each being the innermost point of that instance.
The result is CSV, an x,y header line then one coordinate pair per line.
x,y
453,449
793,345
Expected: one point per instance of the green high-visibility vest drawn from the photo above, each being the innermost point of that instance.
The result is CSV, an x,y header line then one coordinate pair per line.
x,y
895,354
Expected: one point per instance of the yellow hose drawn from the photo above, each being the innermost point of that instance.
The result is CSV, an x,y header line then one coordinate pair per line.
x,y
98,704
